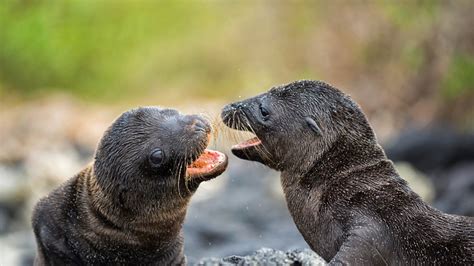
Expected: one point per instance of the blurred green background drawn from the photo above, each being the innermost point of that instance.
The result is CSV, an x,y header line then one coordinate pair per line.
x,y
415,56
68,68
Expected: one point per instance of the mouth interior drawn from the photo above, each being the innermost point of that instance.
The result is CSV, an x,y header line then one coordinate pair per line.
x,y
255,141
209,163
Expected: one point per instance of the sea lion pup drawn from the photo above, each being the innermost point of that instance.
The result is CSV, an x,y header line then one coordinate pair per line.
x,y
344,195
128,207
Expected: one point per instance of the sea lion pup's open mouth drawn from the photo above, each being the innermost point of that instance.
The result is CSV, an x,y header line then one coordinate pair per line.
x,y
252,143
208,165
251,149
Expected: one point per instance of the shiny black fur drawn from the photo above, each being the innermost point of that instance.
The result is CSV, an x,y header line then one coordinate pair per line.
x,y
122,210
345,196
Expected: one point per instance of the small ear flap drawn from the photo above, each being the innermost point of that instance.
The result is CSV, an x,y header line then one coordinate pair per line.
x,y
312,124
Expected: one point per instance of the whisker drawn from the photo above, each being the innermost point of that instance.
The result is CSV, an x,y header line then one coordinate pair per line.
x,y
183,167
179,177
235,125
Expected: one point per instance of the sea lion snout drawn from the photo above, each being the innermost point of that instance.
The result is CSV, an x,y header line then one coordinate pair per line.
x,y
232,109
237,115
233,106
198,124
227,112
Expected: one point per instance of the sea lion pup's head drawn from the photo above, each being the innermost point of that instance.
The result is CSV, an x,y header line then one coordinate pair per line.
x,y
150,161
295,124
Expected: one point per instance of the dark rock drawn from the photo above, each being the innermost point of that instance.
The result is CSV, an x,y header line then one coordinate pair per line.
x,y
432,149
447,158
7,216
456,190
266,256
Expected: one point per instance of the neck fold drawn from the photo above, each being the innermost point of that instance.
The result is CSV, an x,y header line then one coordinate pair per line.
x,y
344,155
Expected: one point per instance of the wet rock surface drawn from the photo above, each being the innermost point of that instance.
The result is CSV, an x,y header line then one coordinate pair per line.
x,y
266,256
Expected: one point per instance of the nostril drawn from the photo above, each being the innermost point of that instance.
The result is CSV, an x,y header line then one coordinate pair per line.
x,y
237,106
202,126
208,129
207,124
198,124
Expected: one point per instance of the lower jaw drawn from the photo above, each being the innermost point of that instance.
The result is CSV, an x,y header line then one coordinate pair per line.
x,y
210,164
248,144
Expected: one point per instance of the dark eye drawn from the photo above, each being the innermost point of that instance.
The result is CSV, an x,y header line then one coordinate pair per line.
x,y
156,157
264,112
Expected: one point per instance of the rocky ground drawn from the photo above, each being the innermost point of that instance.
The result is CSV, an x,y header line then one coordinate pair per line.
x,y
267,256
229,219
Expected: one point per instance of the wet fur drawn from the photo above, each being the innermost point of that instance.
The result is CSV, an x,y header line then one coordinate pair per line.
x,y
344,195
120,210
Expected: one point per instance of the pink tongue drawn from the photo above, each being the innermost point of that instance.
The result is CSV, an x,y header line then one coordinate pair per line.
x,y
208,160
248,143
